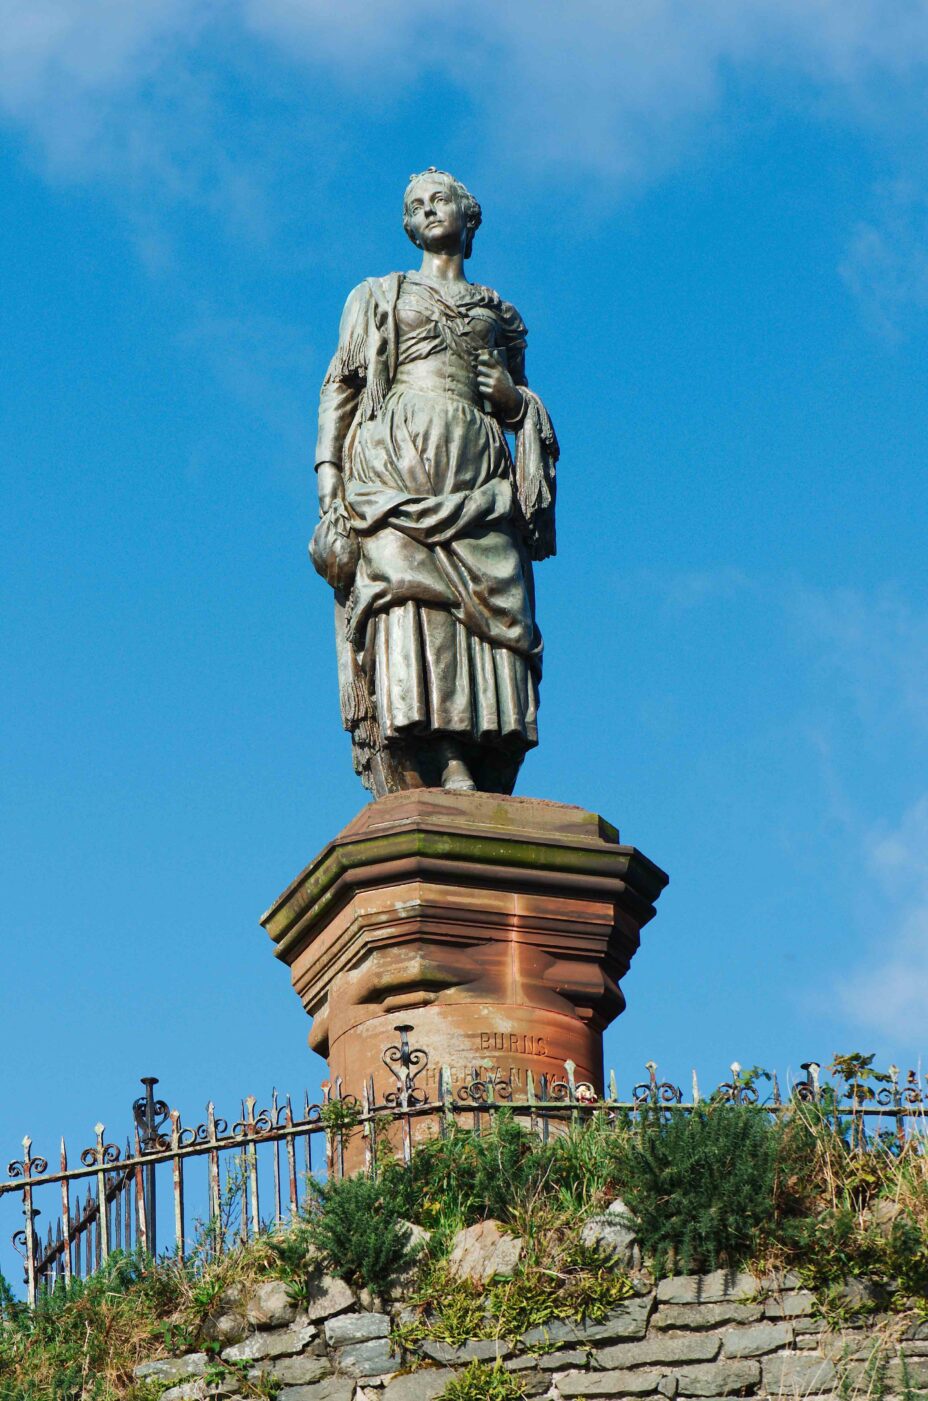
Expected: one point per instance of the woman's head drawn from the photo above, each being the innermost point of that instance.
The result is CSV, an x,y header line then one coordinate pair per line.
x,y
436,203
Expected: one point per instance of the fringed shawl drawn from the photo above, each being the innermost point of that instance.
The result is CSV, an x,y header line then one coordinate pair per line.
x,y
535,481
367,341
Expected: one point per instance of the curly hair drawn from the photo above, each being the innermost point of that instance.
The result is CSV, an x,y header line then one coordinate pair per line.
x,y
469,206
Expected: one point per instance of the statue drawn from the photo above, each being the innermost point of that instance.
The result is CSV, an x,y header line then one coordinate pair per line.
x,y
428,524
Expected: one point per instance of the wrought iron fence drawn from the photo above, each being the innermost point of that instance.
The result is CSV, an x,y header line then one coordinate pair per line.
x,y
112,1200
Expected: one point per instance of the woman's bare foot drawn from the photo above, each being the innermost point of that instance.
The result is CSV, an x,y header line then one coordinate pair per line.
x,y
455,775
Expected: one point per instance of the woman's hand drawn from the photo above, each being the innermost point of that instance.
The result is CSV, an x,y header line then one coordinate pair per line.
x,y
330,484
497,387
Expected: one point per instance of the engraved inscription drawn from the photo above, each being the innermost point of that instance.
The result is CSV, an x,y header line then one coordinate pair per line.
x,y
512,1043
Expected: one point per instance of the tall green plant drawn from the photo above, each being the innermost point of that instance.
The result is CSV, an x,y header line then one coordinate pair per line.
x,y
467,1177
700,1185
358,1228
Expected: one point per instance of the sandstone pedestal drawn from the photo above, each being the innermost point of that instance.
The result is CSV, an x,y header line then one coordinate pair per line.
x,y
500,928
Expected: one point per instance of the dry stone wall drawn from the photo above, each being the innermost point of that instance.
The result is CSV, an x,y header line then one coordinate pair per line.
x,y
699,1336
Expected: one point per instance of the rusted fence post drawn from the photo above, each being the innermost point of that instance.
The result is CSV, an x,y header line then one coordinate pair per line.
x,y
150,1114
27,1236
66,1213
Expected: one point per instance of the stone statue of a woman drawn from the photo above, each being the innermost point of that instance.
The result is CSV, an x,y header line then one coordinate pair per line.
x,y
428,525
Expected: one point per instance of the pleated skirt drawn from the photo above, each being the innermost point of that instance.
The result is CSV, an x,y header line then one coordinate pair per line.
x,y
432,675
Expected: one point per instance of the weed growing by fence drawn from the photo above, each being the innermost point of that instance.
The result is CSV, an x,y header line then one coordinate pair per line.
x,y
466,1177
847,1210
699,1186
358,1228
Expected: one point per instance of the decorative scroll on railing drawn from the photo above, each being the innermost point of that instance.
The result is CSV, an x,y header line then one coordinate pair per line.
x,y
111,1201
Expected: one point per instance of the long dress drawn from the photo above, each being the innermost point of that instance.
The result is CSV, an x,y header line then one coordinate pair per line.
x,y
437,636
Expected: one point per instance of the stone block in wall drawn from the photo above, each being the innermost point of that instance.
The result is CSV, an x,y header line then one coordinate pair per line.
x,y
334,1389
476,1350
422,1385
886,1374
536,1384
793,1303
188,1391
718,1378
482,1252
356,1328
327,1295
562,1361
172,1369
756,1339
713,1288
277,1342
798,1374
611,1383
862,1294
532,1380
612,1233
775,1283
269,1305
225,1328
630,1320
371,1359
854,1343
706,1315
405,1281
301,1369
660,1348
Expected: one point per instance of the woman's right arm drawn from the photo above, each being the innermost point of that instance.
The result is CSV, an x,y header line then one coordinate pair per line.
x,y
338,404
338,401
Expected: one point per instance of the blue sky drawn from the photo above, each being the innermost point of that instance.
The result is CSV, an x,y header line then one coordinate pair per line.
x,y
713,218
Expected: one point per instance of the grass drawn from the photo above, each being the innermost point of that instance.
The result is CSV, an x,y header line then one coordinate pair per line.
x,y
81,1342
558,1278
483,1381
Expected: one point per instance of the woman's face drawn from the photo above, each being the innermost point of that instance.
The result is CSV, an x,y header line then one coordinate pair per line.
x,y
435,216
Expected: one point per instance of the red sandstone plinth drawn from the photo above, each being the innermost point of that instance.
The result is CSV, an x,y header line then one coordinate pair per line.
x,y
500,928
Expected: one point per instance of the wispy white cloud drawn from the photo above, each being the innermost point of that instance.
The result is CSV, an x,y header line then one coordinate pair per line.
x,y
65,65
888,993
870,672
127,94
874,647
616,89
264,363
886,265
597,85
693,588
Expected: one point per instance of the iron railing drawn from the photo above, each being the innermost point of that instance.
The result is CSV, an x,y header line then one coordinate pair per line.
x,y
111,1201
